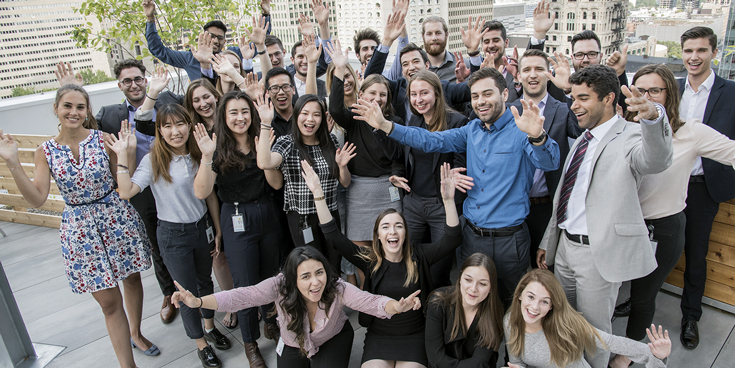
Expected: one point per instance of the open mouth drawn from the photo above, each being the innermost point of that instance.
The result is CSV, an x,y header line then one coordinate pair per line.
x,y
580,115
282,100
392,241
483,109
533,83
315,292
72,120
206,109
309,127
531,314
695,65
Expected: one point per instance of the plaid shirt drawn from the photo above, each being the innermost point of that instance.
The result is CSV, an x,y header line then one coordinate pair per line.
x,y
297,195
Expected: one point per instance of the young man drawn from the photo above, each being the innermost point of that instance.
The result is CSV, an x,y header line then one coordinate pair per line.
x,y
560,124
597,237
503,151
367,40
434,33
301,65
705,97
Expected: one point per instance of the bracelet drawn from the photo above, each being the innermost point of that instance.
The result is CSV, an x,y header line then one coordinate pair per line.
x,y
15,167
154,99
201,303
260,52
123,166
208,163
473,54
319,198
264,125
392,127
123,172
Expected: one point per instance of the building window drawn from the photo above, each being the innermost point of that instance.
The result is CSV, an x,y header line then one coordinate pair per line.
x,y
584,26
584,15
553,38
556,26
593,26
594,15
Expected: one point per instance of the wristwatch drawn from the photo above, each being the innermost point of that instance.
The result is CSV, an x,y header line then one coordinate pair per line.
x,y
540,138
473,54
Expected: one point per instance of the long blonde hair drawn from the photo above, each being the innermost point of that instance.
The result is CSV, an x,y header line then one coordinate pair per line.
x,y
189,99
375,254
330,76
568,334
438,121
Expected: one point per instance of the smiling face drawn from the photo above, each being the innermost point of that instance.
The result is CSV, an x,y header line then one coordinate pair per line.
x,y
435,39
586,46
237,116
392,234
366,50
311,279
309,119
275,53
134,92
474,285
488,101
377,92
531,73
235,61
588,108
281,100
422,96
535,304
698,55
218,39
299,61
71,109
349,83
175,132
493,43
652,80
204,102
412,62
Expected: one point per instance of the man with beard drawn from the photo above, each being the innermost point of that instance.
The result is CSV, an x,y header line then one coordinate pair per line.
x,y
503,151
131,80
301,66
494,42
434,32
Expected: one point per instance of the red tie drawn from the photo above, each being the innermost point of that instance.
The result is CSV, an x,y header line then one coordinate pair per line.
x,y
571,177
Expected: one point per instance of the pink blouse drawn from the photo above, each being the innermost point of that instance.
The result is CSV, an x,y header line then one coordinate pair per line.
x,y
328,324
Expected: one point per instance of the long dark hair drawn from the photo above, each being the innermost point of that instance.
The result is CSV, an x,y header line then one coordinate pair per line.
x,y
292,302
189,99
322,134
376,254
489,311
89,122
229,156
161,153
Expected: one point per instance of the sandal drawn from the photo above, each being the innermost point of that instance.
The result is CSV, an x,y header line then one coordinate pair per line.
x,y
230,321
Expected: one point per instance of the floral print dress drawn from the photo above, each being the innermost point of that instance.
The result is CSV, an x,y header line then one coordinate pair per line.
x,y
103,239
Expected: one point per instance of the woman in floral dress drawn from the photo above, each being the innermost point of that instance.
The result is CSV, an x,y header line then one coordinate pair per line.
x,y
103,240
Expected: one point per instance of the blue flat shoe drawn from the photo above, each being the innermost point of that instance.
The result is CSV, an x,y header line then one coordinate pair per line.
x,y
152,351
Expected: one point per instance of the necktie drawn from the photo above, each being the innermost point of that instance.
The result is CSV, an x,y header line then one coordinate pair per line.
x,y
571,177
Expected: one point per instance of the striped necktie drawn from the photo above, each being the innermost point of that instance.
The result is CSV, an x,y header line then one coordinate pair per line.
x,y
571,177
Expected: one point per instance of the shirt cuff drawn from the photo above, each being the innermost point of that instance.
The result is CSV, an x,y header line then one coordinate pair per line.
x,y
402,41
476,60
247,64
143,115
207,72
536,41
383,48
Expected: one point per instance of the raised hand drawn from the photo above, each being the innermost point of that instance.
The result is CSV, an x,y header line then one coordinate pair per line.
x,y
461,71
8,149
321,11
339,58
311,178
184,296
252,87
345,154
400,5
542,22
462,182
511,63
393,27
562,71
532,122
311,51
265,6
472,37
305,26
149,9
159,79
638,102
400,182
408,303
246,48
489,62
206,145
265,110
222,65
124,141
447,182
660,344
65,75
618,60
371,113
203,50
271,138
257,36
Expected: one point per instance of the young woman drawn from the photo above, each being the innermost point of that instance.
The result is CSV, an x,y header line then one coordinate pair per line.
x,y
248,218
309,140
663,195
201,102
103,239
463,321
185,235
543,330
421,178
393,267
310,297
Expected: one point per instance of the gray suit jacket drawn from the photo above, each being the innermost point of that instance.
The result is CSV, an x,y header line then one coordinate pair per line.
x,y
621,249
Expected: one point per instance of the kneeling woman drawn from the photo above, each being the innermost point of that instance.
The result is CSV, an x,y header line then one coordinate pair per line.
x,y
308,292
542,330
393,267
463,322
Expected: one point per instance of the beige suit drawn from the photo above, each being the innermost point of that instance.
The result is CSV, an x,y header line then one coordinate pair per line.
x,y
620,248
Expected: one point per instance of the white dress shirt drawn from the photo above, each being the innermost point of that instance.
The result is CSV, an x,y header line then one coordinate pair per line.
x,y
692,108
539,188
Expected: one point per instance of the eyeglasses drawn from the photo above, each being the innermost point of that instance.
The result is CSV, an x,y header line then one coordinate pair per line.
x,y
590,55
653,91
274,89
127,82
220,38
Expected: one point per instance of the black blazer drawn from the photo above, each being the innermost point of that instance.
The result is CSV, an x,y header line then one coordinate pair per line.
x,y
109,117
560,124
423,254
720,115
461,351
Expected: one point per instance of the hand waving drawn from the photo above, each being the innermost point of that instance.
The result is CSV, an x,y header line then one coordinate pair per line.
x,y
393,27
206,145
462,182
203,50
159,79
310,49
65,75
638,102
472,37
246,48
447,182
660,344
532,122
339,57
321,11
542,22
222,65
257,36
305,26
8,148
345,154
562,71
124,141
311,178
265,110
371,113
461,71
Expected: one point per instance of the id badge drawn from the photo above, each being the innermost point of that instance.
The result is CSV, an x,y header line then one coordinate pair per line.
x,y
394,194
279,347
308,235
210,234
238,224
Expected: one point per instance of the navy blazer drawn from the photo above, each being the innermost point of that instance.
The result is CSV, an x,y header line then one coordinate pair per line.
x,y
109,117
560,124
720,115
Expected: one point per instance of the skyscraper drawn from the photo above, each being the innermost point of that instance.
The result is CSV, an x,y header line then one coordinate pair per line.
x,y
607,18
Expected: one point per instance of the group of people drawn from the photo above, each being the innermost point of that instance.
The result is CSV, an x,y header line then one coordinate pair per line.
x,y
397,177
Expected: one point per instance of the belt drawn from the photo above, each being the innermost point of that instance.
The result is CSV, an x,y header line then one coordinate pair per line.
x,y
696,179
100,200
503,231
540,200
583,239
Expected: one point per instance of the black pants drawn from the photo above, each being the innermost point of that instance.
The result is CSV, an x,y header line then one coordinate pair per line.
x,y
424,214
145,204
669,232
287,242
185,250
333,353
296,224
700,213
538,220
252,255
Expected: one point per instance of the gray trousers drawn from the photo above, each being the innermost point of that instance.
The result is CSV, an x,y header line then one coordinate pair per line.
x,y
586,290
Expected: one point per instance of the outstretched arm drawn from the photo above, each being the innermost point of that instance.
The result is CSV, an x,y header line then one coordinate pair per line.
x,y
204,181
34,192
653,153
266,159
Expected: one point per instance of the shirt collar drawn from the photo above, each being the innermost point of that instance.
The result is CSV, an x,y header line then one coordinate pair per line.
x,y
599,131
707,84
499,124
448,58
177,158
543,100
130,107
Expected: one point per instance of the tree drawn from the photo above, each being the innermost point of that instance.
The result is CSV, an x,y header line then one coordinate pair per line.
x,y
645,4
674,48
23,91
91,77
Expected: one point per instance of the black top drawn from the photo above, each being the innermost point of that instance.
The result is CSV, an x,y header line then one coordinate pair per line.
x,y
371,159
462,351
423,254
242,186
280,125
422,174
407,323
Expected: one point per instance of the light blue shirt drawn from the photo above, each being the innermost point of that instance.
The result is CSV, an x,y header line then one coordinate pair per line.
x,y
144,141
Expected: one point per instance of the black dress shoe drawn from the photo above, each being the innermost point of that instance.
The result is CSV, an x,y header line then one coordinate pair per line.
x,y
219,340
623,310
689,333
209,358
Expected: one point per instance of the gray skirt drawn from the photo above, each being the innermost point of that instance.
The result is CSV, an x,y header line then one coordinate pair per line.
x,y
366,199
